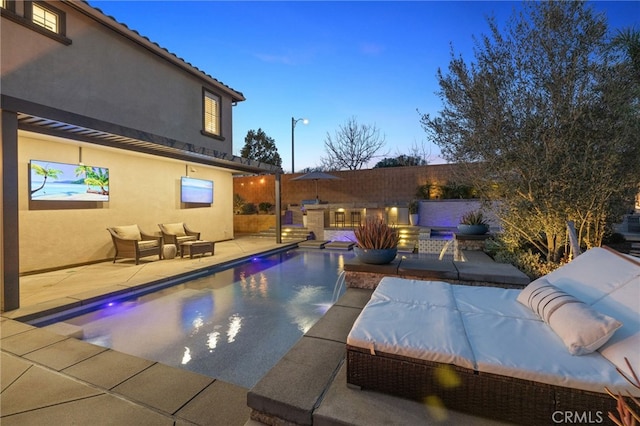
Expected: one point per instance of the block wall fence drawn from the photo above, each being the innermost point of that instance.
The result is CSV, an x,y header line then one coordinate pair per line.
x,y
386,186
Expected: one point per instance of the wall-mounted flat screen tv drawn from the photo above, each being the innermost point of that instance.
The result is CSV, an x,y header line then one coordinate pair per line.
x,y
50,181
196,190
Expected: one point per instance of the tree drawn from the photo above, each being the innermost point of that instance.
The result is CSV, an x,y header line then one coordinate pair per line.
x,y
260,147
94,176
627,42
547,120
352,146
400,161
45,172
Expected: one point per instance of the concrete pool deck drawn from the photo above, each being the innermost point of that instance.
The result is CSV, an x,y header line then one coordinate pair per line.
x,y
48,376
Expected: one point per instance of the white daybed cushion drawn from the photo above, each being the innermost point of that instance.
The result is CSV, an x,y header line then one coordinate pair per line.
x,y
491,300
624,303
594,274
581,328
530,350
427,332
436,293
128,232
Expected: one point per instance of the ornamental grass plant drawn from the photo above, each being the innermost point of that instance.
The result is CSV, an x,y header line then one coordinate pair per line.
x,y
376,234
627,416
473,218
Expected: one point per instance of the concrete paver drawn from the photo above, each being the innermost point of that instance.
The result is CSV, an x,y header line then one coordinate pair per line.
x,y
29,341
336,324
220,403
12,368
292,389
37,388
9,328
108,369
64,353
97,410
163,387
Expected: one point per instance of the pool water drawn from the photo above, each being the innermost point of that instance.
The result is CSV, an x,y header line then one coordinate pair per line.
x,y
233,325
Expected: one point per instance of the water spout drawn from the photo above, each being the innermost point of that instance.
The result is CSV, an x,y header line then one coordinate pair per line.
x,y
444,249
338,287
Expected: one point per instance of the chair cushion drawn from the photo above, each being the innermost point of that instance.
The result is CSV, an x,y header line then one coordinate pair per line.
x,y
581,328
128,232
186,238
176,229
147,244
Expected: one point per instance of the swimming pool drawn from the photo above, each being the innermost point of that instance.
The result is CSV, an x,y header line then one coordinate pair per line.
x,y
233,325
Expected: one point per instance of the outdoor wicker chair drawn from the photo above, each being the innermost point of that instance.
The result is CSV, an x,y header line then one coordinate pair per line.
x,y
177,233
130,242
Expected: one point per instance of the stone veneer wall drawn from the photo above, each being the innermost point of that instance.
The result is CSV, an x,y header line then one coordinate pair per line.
x,y
435,246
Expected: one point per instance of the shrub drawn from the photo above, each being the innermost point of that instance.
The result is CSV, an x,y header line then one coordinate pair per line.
x,y
414,206
424,191
265,207
453,190
528,262
238,203
249,208
615,238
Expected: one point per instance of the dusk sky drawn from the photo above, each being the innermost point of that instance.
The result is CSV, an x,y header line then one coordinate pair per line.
x,y
327,61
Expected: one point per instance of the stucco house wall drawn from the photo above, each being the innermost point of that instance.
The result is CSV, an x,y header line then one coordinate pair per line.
x,y
103,75
144,190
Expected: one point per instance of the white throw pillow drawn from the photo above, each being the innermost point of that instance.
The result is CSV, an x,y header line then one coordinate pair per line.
x,y
581,328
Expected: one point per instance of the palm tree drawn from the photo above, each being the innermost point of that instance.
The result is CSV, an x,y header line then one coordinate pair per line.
x,y
46,172
95,176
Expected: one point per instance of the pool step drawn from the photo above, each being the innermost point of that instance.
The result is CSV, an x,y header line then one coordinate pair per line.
x,y
288,233
340,245
316,244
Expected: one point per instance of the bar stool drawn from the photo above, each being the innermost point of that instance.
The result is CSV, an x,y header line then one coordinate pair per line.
x,y
339,218
356,219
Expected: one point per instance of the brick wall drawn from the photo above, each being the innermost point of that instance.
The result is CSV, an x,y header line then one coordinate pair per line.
x,y
385,186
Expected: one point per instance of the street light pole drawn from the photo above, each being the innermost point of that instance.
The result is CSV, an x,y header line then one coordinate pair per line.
x,y
293,127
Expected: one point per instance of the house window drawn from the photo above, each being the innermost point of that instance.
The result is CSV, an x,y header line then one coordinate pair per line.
x,y
8,5
211,113
38,16
45,17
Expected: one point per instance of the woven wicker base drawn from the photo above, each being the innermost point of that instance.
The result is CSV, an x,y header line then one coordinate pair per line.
x,y
481,394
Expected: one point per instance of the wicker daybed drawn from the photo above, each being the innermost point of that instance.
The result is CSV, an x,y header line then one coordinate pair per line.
x,y
481,351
